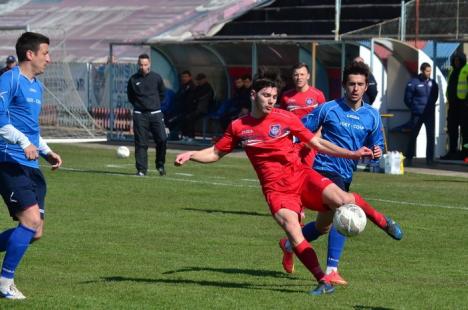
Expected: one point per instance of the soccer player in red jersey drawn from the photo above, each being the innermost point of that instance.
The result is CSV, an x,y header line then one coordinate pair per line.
x,y
301,101
303,98
288,185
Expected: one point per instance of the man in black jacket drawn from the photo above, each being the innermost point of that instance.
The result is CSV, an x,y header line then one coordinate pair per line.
x,y
203,100
145,91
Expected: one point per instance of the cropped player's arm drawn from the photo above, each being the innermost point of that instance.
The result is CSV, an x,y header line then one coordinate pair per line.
x,y
205,156
324,146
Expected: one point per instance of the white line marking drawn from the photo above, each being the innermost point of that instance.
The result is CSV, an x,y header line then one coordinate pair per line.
x,y
250,180
418,204
119,166
184,174
258,187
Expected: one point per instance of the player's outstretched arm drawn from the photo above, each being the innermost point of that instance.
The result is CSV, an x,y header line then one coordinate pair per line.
x,y
324,146
205,156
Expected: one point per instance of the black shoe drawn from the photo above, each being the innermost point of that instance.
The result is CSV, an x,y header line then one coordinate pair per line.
x,y
161,170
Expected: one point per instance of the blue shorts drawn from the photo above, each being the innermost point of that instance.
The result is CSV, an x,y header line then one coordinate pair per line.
x,y
22,187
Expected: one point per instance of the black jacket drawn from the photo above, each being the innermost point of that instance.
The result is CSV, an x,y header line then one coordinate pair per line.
x,y
145,93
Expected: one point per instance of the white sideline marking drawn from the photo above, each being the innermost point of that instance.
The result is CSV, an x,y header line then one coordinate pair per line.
x,y
185,174
417,204
250,180
258,187
119,166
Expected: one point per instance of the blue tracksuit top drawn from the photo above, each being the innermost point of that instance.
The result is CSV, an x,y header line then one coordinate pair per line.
x,y
421,94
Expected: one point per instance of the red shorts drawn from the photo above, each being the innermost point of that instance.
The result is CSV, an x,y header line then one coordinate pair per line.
x,y
307,195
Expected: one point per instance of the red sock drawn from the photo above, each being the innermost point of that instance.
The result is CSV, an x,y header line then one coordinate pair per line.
x,y
308,257
375,216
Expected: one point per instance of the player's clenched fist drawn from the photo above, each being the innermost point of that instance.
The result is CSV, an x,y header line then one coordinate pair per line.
x,y
182,158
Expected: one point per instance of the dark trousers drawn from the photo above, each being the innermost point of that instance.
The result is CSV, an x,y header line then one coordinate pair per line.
x,y
416,121
143,124
457,116
337,179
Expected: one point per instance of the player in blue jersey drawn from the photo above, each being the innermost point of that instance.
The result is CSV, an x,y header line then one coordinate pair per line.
x,y
350,123
22,184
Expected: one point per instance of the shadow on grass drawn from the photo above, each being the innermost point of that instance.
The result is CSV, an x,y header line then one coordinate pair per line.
x,y
227,212
361,307
447,181
222,284
96,171
250,272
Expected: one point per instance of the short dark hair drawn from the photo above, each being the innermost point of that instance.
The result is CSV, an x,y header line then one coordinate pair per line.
x,y
186,72
29,41
266,78
301,65
356,68
143,56
424,65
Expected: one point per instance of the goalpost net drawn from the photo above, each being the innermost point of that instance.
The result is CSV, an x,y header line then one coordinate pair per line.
x,y
64,117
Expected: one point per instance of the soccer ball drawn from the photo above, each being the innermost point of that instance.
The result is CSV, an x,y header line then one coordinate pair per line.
x,y
123,152
350,220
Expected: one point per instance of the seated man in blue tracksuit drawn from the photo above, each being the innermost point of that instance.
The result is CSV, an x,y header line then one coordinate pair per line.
x,y
421,95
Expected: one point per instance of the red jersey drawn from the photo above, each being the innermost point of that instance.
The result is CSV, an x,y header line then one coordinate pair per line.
x,y
302,103
269,147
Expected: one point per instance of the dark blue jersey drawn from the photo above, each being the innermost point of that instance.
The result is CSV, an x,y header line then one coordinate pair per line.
x,y
20,106
345,127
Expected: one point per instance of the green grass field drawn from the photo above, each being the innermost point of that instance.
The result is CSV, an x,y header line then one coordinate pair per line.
x,y
202,238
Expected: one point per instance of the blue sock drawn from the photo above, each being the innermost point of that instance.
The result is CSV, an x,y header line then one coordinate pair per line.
x,y
4,237
336,242
310,232
15,249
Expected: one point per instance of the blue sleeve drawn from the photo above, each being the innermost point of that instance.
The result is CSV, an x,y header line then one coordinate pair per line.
x,y
409,91
5,98
314,120
376,135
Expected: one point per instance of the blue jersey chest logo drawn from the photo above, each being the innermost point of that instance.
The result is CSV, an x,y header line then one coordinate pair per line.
x,y
275,130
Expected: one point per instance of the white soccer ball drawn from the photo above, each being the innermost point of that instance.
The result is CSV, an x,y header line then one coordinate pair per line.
x,y
350,220
123,152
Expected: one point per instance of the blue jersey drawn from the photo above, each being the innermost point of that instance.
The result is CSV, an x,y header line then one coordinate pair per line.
x,y
346,128
20,105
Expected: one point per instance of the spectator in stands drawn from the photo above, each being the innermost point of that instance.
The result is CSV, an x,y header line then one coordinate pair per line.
x,y
203,101
10,63
238,105
457,97
371,92
183,102
145,92
247,79
421,95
